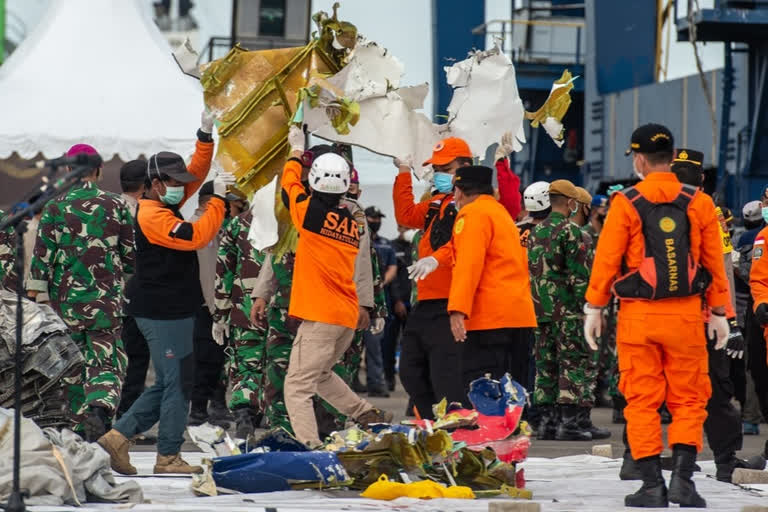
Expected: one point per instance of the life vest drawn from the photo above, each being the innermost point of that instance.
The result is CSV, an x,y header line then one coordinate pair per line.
x,y
668,269
440,229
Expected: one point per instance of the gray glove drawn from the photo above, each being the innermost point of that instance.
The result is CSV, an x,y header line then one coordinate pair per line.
x,y
206,121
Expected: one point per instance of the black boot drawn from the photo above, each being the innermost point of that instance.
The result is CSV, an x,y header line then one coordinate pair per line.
x,y
219,415
681,488
198,413
585,422
653,493
96,424
548,419
630,470
618,410
569,428
245,422
727,463
666,416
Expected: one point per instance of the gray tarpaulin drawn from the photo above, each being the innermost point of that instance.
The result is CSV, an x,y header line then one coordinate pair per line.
x,y
58,467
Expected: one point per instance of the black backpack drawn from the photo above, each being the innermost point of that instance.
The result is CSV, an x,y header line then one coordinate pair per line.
x,y
668,269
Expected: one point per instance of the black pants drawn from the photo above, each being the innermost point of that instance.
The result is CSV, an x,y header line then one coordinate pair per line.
x,y
389,343
756,359
495,351
209,359
430,364
723,423
137,350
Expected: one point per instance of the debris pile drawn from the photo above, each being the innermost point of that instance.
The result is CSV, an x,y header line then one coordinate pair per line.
x,y
465,453
49,356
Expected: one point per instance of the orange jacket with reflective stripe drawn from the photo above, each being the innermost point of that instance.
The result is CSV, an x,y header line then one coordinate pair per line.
x,y
491,284
436,285
621,241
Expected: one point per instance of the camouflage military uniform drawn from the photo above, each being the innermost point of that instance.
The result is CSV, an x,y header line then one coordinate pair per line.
x,y
237,269
606,357
7,257
560,259
83,250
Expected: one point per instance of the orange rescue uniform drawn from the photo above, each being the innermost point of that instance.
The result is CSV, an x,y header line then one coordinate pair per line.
x,y
436,285
162,227
490,285
329,238
758,276
661,344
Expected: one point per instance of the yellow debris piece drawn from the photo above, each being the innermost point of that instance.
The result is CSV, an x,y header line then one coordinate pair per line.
x,y
557,103
383,489
253,96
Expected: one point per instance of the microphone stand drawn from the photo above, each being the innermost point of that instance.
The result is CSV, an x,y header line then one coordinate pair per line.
x,y
48,190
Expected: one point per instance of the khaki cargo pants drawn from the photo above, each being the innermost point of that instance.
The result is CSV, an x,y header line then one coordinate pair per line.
x,y
316,348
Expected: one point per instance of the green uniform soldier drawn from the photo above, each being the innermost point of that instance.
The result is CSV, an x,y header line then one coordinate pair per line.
x,y
560,259
7,257
237,269
84,250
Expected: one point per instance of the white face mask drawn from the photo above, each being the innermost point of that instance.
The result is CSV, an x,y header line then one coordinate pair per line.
x,y
640,175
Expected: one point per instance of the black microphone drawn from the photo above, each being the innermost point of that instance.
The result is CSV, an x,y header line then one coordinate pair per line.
x,y
83,159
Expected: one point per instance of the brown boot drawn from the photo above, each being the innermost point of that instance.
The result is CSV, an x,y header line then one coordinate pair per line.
x,y
116,445
374,416
174,464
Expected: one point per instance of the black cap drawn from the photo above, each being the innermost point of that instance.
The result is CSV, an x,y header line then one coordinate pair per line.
x,y
374,212
651,138
169,164
688,158
134,171
474,175
206,189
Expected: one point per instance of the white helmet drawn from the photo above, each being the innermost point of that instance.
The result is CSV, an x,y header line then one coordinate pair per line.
x,y
536,196
329,173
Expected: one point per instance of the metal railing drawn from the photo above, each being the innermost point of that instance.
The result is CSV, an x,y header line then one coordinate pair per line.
x,y
503,29
218,46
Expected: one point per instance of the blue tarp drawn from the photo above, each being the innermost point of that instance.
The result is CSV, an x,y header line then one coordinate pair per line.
x,y
276,471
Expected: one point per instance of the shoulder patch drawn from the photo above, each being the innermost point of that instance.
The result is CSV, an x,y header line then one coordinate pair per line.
x,y
459,226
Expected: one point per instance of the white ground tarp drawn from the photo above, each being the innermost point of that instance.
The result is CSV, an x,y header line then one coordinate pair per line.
x,y
96,71
577,483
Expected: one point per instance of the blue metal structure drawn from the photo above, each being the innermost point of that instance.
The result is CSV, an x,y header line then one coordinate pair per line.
x,y
542,40
625,44
743,21
452,38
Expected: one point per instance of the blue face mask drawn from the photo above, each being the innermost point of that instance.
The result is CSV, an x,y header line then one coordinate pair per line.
x,y
443,182
173,195
765,213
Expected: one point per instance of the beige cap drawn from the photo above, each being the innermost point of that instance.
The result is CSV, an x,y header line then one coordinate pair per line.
x,y
564,188
584,196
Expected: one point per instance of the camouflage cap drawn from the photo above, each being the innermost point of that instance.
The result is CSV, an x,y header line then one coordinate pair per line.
x,y
564,188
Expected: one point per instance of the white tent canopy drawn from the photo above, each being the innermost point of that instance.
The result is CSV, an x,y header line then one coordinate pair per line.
x,y
99,72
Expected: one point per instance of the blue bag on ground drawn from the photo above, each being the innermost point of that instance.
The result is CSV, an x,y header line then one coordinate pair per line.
x,y
279,471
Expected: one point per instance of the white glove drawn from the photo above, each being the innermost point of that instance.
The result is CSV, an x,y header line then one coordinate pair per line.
x,y
422,268
406,161
593,326
378,326
223,180
505,147
296,138
220,332
718,330
206,121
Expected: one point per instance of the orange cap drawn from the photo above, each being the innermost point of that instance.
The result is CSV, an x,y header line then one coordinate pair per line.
x,y
448,150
